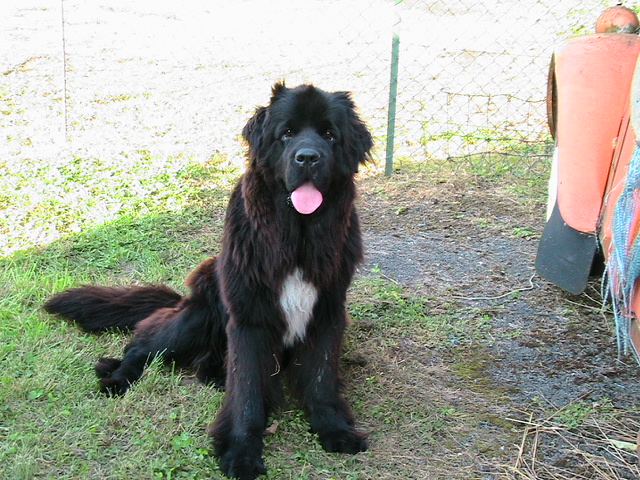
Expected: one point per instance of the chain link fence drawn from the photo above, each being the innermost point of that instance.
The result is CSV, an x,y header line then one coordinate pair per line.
x,y
159,86
473,76
181,77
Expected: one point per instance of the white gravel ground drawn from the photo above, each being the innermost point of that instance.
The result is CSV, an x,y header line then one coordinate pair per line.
x,y
183,76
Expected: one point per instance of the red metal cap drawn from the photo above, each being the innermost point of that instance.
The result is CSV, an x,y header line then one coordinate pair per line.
x,y
618,19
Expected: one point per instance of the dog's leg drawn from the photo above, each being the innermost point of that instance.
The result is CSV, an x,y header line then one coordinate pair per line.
x,y
314,373
153,338
251,391
191,336
116,376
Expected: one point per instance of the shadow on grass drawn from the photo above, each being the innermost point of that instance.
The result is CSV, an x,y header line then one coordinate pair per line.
x,y
139,249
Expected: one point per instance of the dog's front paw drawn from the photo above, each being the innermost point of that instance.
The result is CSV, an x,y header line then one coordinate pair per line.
x,y
106,366
110,384
113,387
240,457
344,441
242,465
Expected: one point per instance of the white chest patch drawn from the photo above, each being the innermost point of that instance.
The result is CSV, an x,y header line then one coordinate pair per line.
x,y
297,300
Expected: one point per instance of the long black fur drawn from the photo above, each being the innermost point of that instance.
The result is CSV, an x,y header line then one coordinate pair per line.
x,y
231,329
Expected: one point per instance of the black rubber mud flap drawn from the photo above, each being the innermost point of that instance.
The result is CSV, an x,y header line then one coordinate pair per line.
x,y
565,255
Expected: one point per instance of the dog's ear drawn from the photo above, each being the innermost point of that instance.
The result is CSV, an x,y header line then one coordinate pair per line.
x,y
357,138
278,90
253,131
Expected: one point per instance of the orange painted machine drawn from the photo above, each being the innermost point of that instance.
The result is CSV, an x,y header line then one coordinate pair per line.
x,y
594,190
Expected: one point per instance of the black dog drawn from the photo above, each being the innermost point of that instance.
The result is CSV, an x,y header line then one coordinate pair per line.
x,y
274,299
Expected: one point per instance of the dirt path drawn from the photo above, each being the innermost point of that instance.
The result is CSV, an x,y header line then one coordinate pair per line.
x,y
547,351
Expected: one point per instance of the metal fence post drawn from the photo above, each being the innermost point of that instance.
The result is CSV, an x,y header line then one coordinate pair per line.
x,y
393,91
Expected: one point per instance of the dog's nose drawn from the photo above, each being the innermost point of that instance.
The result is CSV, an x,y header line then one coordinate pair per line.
x,y
307,156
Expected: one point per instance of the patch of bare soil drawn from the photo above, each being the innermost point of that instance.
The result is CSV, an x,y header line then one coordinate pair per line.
x,y
547,360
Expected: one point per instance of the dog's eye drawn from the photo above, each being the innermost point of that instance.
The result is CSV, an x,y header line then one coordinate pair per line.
x,y
329,136
288,133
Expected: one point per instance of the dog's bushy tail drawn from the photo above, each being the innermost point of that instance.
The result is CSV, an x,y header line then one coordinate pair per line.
x,y
97,309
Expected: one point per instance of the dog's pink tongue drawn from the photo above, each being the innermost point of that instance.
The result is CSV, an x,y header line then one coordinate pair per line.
x,y
306,198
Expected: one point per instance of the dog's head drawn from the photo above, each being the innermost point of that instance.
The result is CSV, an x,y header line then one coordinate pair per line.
x,y
310,140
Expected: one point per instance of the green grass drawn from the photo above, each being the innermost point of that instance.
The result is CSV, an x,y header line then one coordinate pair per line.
x,y
43,201
152,219
138,218
385,306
